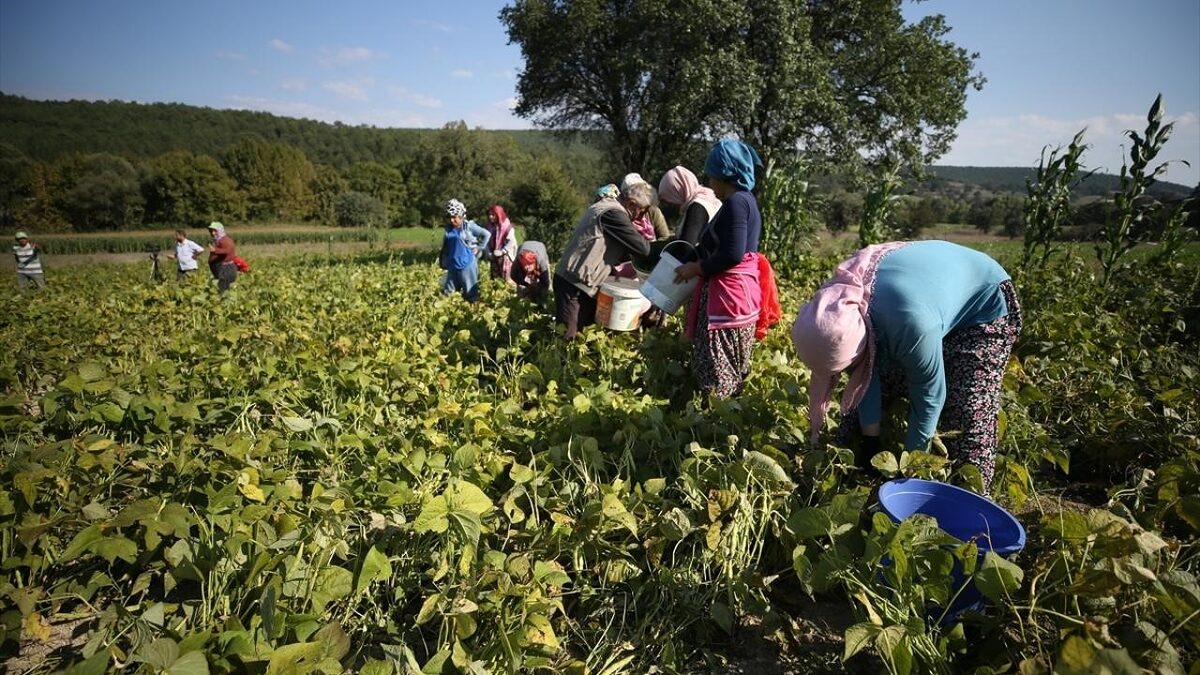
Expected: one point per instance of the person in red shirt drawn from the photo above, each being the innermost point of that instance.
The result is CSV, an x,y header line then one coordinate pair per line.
x,y
220,257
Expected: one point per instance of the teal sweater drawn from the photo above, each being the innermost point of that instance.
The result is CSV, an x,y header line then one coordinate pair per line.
x,y
923,292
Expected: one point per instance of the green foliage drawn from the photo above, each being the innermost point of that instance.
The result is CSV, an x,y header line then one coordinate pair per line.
x,y
789,210
546,204
1129,223
327,186
465,164
1048,198
102,194
355,209
850,83
275,179
876,224
189,190
384,184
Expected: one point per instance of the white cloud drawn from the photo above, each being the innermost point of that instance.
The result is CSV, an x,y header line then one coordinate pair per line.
x,y
293,84
346,56
462,74
507,104
1018,141
508,74
353,90
230,56
426,101
280,45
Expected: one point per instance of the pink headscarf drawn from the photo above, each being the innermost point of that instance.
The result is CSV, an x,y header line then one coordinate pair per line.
x,y
833,331
502,227
680,186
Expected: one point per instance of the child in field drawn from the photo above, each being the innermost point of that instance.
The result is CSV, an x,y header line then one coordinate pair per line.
x,y
462,245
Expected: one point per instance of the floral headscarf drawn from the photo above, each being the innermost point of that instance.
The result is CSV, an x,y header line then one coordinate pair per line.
x,y
455,208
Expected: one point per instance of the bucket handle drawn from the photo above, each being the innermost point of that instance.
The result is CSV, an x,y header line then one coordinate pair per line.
x,y
679,241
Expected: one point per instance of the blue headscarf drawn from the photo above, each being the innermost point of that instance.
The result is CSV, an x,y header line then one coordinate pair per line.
x,y
733,161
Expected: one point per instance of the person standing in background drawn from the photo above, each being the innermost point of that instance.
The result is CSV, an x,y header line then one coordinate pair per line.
x,y
462,244
29,263
185,255
220,257
503,249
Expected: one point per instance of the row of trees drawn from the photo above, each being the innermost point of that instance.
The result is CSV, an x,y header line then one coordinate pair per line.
x,y
266,181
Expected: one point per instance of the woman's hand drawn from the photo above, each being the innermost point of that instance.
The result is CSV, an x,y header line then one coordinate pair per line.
x,y
687,271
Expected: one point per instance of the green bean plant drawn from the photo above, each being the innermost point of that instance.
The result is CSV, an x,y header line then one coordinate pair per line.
x,y
1048,199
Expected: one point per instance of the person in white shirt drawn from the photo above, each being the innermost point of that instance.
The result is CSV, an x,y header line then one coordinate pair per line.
x,y
29,263
186,251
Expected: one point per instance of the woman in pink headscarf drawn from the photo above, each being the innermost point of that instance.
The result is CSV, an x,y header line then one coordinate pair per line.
x,y
696,203
930,320
503,249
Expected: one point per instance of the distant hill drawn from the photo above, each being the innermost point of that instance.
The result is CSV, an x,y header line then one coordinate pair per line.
x,y
45,130
1012,179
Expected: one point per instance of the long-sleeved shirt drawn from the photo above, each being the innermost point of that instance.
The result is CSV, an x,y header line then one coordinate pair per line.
x,y
222,251
923,292
694,220
537,285
28,261
733,233
461,245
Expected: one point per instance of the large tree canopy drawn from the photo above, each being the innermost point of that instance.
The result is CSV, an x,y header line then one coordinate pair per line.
x,y
849,82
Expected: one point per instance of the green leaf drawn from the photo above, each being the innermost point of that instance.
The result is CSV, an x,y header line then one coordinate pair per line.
x,y
337,643
766,469
332,583
296,659
538,631
998,578
428,608
433,516
857,637
111,548
192,663
614,509
375,567
92,372
296,424
82,543
464,496
886,463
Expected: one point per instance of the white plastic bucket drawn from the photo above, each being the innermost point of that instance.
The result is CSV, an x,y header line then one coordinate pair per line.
x,y
661,288
620,305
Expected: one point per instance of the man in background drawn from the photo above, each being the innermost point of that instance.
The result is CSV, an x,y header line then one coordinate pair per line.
x,y
186,252
29,263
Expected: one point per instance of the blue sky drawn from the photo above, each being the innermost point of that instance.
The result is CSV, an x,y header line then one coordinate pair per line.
x,y
1053,66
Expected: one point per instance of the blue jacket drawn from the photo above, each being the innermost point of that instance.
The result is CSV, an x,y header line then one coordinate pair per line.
x,y
461,245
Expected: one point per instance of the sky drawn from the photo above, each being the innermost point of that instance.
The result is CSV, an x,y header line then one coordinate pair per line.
x,y
1052,66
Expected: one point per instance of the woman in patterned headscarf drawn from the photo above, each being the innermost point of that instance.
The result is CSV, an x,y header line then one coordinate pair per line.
x,y
461,246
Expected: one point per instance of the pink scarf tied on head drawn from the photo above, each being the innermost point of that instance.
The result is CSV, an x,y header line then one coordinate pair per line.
x,y
502,227
833,332
680,186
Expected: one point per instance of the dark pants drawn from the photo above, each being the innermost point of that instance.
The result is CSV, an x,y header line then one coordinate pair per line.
x,y
225,274
573,307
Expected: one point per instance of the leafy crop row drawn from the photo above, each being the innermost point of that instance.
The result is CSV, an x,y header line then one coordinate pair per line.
x,y
339,468
137,242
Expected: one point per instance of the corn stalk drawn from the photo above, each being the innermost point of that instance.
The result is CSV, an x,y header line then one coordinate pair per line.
x,y
1048,199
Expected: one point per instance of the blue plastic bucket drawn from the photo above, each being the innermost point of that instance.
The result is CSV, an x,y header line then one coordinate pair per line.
x,y
962,514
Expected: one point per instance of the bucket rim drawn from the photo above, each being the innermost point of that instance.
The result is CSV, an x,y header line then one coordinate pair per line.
x,y
896,487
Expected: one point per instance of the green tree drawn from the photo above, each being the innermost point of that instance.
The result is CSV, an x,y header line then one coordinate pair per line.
x,y
355,209
546,203
851,83
466,164
275,179
184,188
105,193
384,183
327,186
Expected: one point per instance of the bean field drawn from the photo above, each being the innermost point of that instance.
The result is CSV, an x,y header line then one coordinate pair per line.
x,y
334,468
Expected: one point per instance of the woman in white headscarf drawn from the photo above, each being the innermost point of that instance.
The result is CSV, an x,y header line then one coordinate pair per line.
x,y
462,245
652,225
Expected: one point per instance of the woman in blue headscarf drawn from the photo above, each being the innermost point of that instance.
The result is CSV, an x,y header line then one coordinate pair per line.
x,y
725,310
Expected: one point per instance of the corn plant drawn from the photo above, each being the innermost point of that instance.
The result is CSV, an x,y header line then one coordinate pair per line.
x,y
789,212
1048,199
875,226
1127,225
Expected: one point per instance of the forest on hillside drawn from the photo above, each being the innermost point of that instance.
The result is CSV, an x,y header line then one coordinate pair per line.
x,y
113,165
